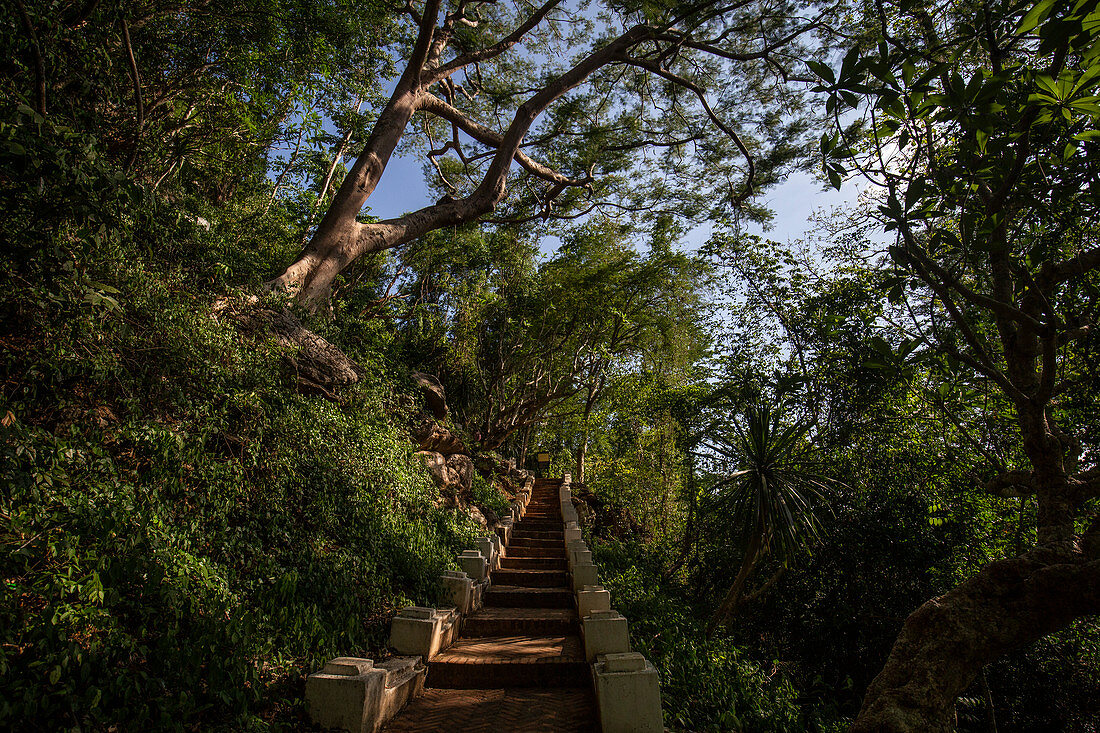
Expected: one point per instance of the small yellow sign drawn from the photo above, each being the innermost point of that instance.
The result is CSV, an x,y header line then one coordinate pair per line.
x,y
544,457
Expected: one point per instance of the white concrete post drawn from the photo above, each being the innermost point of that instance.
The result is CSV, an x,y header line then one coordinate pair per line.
x,y
580,556
422,631
584,574
475,565
342,694
605,632
572,532
571,547
505,529
459,589
592,598
498,547
355,695
628,694
488,551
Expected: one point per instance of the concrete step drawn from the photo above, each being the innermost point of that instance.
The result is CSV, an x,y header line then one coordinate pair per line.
x,y
515,661
532,563
522,532
510,596
555,553
529,542
531,526
492,621
531,578
500,710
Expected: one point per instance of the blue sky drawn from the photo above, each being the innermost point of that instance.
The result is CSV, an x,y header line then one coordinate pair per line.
x,y
402,189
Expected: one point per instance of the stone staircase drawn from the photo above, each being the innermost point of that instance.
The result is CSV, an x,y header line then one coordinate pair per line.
x,y
519,664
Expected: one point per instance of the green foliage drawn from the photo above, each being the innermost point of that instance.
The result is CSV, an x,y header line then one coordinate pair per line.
x,y
706,685
185,536
773,493
485,495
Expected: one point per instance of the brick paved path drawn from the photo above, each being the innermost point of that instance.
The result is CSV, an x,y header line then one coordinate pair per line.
x,y
519,664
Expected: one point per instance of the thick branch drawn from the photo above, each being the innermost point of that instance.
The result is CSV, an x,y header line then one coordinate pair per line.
x,y
1086,484
1074,267
946,642
415,68
1011,484
393,232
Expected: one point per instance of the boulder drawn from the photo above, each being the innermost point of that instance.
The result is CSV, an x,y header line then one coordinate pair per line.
x,y
451,474
460,472
476,515
432,436
436,465
433,393
491,518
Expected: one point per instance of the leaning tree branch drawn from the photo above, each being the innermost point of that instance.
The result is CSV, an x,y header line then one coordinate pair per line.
x,y
945,643
393,232
139,132
39,64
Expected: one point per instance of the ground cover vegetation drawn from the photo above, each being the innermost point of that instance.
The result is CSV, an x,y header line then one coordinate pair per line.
x,y
843,482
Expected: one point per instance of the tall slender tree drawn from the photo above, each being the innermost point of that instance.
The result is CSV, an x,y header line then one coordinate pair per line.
x,y
981,130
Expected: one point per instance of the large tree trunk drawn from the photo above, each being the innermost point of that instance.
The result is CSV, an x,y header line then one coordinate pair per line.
x,y
945,643
340,238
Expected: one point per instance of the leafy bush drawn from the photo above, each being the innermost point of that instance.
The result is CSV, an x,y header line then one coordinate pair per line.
x,y
706,684
184,535
486,495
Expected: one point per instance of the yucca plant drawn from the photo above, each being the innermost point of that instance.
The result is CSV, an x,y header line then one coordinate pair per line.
x,y
773,500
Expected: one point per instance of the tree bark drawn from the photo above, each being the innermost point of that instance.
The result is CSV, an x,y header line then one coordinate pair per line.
x,y
753,552
945,643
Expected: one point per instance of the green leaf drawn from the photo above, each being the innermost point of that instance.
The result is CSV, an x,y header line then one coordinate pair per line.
x,y
823,71
1036,15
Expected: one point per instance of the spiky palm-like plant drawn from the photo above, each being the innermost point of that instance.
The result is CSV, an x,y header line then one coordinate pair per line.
x,y
773,499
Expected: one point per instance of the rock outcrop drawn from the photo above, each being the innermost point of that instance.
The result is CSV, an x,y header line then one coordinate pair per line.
x,y
453,474
435,397
431,436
